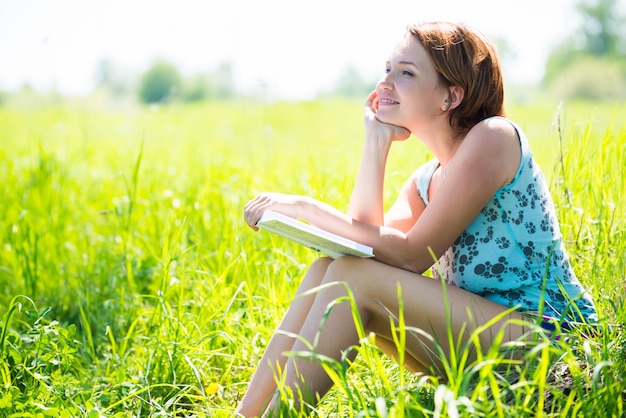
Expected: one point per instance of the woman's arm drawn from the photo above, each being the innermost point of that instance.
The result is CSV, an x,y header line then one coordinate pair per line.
x,y
407,208
366,203
487,159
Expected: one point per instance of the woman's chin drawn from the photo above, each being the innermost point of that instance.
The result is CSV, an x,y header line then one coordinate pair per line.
x,y
381,117
388,120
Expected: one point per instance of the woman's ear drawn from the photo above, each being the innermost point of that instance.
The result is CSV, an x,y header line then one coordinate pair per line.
x,y
455,97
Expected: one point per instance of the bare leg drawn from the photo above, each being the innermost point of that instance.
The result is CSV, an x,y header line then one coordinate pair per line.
x,y
263,384
388,347
375,289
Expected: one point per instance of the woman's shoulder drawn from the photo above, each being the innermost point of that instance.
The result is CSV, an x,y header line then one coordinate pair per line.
x,y
496,135
495,145
495,128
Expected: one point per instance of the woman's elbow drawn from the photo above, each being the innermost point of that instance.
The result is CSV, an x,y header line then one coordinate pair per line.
x,y
410,264
406,255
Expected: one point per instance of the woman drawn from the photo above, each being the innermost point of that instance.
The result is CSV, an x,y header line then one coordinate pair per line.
x,y
481,207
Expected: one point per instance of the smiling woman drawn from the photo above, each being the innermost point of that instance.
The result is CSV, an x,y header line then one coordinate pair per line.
x,y
479,215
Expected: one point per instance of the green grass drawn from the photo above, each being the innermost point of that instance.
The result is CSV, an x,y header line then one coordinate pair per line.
x,y
130,285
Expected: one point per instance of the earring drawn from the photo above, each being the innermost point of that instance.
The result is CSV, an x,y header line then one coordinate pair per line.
x,y
445,105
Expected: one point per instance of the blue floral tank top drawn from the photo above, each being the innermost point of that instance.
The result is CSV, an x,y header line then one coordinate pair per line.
x,y
512,253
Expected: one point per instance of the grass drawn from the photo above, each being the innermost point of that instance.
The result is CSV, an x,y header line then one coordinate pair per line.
x,y
129,285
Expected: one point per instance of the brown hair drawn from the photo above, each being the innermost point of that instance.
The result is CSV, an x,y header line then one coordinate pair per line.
x,y
464,57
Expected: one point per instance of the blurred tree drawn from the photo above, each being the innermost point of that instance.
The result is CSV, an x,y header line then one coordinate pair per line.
x,y
602,27
160,83
223,86
110,78
217,85
196,88
591,78
583,64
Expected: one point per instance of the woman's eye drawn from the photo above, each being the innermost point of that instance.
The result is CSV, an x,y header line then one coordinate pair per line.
x,y
403,72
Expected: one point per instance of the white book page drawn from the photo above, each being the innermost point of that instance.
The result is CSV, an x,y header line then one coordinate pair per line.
x,y
312,237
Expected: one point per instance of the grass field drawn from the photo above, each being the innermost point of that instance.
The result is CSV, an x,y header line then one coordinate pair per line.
x,y
130,286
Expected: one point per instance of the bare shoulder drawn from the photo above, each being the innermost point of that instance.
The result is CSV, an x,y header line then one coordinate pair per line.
x,y
494,145
494,131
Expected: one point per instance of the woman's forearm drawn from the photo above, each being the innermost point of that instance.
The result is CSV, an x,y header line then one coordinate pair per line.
x,y
366,203
390,245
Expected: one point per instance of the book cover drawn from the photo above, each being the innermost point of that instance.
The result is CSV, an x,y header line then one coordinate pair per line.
x,y
312,237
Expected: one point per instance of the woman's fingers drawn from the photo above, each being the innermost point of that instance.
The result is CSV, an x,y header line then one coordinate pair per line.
x,y
372,101
253,210
283,203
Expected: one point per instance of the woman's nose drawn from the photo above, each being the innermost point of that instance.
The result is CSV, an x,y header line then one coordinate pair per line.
x,y
385,83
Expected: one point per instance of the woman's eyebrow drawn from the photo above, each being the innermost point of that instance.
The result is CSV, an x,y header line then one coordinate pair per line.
x,y
408,63
403,62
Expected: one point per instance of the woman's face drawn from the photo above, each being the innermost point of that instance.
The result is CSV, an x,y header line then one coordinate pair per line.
x,y
411,91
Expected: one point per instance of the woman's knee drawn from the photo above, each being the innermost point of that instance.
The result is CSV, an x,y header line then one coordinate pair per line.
x,y
315,274
350,273
343,269
321,264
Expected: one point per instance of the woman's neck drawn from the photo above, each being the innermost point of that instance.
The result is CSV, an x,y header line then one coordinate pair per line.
x,y
443,146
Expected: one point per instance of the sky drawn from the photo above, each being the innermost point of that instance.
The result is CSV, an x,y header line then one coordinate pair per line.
x,y
295,49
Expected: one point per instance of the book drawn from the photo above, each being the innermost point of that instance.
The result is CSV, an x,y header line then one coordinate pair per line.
x,y
312,237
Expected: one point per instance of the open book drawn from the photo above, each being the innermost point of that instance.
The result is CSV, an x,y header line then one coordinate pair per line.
x,y
310,236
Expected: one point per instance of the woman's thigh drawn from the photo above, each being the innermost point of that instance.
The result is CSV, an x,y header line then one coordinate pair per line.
x,y
428,305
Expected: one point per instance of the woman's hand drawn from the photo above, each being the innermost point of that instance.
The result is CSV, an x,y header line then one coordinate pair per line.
x,y
381,130
289,205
